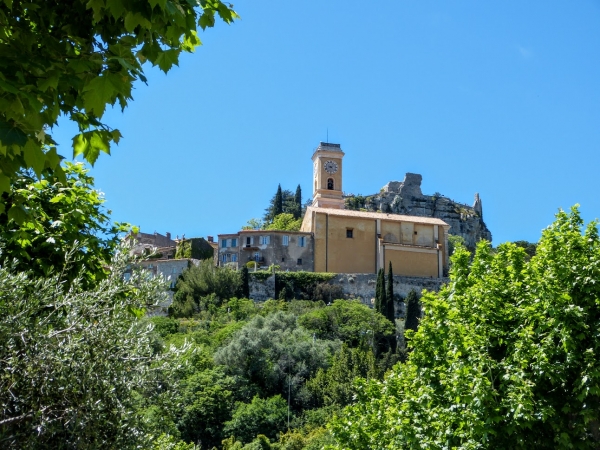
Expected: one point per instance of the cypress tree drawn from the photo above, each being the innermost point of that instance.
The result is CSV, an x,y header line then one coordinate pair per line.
x,y
390,311
298,202
278,204
412,311
245,282
378,289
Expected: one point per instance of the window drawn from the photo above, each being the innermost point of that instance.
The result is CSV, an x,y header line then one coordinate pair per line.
x,y
224,257
286,240
265,240
301,241
299,261
282,259
330,184
349,233
234,242
234,257
223,243
257,256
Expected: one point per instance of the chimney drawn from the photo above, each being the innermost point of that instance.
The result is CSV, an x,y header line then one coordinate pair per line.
x,y
209,238
168,235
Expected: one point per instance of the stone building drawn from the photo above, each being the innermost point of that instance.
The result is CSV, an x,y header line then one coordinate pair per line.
x,y
361,241
148,243
290,250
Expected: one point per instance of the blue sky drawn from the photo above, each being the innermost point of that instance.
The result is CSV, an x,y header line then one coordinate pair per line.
x,y
497,98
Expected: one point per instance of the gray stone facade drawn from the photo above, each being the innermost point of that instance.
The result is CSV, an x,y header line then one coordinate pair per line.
x,y
405,197
290,250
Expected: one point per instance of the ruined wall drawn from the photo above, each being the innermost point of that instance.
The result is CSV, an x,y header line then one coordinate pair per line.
x,y
405,197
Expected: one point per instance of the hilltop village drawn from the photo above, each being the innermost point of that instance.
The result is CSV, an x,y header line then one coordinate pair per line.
x,y
341,234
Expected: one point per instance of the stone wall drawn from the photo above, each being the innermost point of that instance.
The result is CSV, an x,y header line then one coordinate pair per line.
x,y
405,197
359,286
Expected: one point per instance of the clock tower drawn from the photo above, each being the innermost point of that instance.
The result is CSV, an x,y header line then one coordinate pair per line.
x,y
327,176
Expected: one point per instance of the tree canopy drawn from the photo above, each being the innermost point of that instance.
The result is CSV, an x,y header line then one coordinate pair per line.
x,y
58,227
504,357
74,58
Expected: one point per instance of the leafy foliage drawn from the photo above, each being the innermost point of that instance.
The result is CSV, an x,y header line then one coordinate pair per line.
x,y
53,226
260,416
286,222
74,58
268,350
380,293
455,241
529,247
73,361
198,283
284,201
245,282
196,248
413,311
335,385
349,321
301,285
298,203
504,356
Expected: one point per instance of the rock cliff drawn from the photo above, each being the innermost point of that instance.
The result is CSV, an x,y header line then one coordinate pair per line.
x,y
405,197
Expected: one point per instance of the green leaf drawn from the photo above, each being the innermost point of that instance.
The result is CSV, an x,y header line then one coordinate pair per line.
x,y
80,144
98,93
162,3
11,135
4,183
116,8
191,41
207,20
51,81
17,213
53,160
134,20
116,136
166,59
34,156
91,143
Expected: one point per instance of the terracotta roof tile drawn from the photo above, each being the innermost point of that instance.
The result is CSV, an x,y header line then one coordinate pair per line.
x,y
375,215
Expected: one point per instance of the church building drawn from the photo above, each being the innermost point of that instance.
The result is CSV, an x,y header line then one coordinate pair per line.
x,y
347,241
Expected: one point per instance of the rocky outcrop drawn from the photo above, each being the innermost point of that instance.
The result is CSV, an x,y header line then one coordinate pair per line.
x,y
405,197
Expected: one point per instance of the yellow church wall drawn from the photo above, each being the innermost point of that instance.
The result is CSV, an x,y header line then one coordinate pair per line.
x,y
348,255
390,231
319,228
424,235
411,263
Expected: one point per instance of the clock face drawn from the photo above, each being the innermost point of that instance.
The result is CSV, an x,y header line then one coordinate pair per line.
x,y
330,167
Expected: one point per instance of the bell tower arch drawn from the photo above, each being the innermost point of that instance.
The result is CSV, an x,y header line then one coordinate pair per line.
x,y
327,176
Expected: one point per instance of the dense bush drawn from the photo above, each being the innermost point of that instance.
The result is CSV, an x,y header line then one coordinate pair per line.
x,y
73,362
504,357
197,284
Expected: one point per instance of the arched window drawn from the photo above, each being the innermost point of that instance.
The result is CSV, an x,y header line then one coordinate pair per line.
x,y
330,184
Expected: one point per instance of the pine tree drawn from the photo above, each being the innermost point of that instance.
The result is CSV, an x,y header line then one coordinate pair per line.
x,y
278,204
298,202
412,311
390,311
